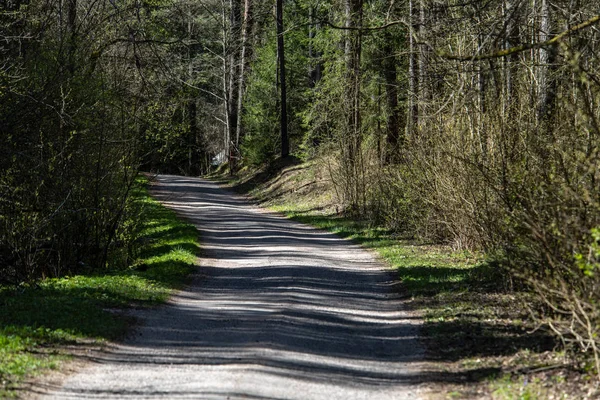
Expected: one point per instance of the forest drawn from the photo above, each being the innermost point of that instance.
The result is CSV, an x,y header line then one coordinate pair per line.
x,y
474,123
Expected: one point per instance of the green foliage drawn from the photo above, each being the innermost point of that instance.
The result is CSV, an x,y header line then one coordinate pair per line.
x,y
323,114
261,119
68,310
588,263
64,184
83,103
165,141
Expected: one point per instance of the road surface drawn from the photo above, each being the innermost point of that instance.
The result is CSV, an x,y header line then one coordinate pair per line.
x,y
276,310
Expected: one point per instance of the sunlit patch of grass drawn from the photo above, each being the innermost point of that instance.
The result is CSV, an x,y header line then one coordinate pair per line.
x,y
523,387
80,308
15,358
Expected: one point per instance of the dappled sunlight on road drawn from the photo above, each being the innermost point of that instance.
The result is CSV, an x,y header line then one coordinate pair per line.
x,y
276,310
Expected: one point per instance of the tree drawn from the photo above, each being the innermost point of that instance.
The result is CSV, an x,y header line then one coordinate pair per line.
x,y
285,143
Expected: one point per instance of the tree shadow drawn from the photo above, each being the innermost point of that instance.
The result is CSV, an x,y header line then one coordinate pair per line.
x,y
462,334
286,303
280,287
272,170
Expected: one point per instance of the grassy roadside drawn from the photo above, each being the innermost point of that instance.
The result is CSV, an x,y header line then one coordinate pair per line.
x,y
476,330
37,320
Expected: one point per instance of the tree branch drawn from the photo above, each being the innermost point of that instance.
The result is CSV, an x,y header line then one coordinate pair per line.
x,y
502,53
524,47
364,28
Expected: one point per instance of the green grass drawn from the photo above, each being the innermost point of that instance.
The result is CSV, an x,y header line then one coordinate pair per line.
x,y
476,329
473,323
423,269
36,319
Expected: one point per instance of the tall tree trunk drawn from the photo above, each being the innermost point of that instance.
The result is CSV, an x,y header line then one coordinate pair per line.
x,y
226,71
72,39
353,138
285,142
423,93
412,115
512,39
244,57
192,108
481,88
390,75
234,68
353,57
547,57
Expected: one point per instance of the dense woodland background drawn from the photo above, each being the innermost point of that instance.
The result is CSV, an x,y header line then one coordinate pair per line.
x,y
474,123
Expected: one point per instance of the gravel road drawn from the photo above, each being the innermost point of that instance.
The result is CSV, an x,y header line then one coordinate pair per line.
x,y
276,310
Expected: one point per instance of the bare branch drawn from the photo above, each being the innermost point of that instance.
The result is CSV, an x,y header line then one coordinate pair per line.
x,y
524,47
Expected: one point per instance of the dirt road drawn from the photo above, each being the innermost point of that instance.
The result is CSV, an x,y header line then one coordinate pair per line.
x,y
276,310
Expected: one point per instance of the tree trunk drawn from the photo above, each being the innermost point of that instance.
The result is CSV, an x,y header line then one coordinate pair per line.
x,y
234,68
423,59
193,141
481,88
244,57
226,71
547,56
351,142
192,108
72,27
512,39
412,115
353,57
285,143
390,75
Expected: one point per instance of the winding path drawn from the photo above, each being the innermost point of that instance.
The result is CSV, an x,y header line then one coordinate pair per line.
x,y
276,310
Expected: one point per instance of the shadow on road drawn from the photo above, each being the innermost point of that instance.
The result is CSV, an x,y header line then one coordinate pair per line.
x,y
273,304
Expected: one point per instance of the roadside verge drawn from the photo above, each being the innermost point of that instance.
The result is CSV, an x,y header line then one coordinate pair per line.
x,y
48,324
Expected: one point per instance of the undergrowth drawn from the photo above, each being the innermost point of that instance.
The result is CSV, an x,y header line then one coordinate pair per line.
x,y
477,334
38,318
